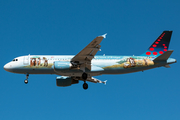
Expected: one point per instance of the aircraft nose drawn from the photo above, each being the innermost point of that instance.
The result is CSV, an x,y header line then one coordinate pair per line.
x,y
6,67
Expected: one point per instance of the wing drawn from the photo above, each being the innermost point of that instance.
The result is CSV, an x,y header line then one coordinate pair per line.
x,y
94,80
84,57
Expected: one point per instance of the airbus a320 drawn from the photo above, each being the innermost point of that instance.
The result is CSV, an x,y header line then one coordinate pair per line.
x,y
85,65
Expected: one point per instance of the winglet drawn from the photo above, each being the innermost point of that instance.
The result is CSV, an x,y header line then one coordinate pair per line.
x,y
104,36
105,82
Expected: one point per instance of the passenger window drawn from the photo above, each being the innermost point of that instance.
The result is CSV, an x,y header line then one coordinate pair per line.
x,y
16,59
13,60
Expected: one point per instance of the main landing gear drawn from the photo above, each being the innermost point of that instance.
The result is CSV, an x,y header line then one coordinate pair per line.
x,y
26,80
84,77
85,86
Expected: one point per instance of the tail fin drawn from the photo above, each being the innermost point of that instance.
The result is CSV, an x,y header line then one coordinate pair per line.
x,y
160,45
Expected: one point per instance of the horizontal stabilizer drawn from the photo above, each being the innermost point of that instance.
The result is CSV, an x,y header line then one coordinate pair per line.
x,y
167,66
164,56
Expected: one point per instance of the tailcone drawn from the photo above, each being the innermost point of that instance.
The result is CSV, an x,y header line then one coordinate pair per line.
x,y
171,60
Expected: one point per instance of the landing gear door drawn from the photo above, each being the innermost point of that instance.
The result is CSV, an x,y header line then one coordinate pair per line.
x,y
26,60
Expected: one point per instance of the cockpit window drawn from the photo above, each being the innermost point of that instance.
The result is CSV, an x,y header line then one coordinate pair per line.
x,y
15,60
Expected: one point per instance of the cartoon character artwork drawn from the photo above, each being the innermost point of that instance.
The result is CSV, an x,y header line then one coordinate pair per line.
x,y
35,61
39,62
45,61
144,62
131,63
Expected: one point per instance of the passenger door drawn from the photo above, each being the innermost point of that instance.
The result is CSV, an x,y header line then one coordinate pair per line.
x,y
26,60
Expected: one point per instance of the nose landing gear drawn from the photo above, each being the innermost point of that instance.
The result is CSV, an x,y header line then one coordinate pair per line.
x,y
26,80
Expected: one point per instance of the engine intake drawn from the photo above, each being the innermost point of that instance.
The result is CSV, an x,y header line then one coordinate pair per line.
x,y
65,81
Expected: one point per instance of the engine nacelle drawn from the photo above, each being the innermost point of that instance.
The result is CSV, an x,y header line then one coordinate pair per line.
x,y
61,65
65,81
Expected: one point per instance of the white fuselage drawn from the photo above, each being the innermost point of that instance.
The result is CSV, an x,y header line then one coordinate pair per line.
x,y
44,64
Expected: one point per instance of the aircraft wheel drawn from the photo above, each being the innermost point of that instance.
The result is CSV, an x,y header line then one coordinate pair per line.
x,y
85,86
84,76
26,81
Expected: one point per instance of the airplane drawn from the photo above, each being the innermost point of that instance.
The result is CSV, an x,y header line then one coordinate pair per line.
x,y
85,64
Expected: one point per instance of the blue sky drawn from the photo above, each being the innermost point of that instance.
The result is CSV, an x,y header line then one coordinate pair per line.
x,y
57,27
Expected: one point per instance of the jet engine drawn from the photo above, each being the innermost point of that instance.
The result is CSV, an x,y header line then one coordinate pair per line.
x,y
61,65
65,81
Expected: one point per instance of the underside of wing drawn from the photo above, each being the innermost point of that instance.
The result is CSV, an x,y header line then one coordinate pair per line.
x,y
94,80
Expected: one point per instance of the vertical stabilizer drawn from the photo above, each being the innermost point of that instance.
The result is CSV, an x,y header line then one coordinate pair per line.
x,y
160,45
